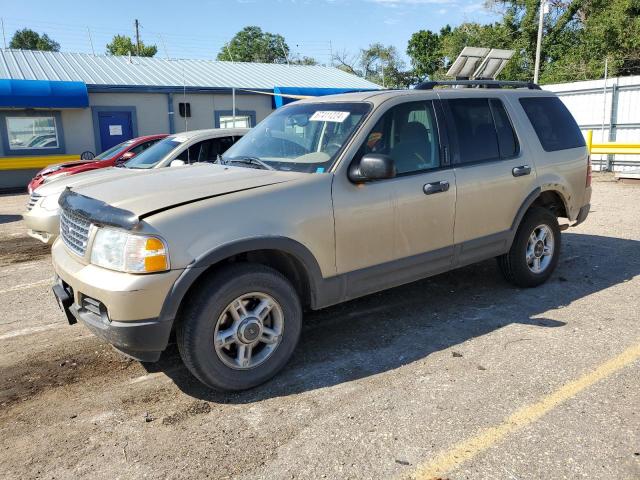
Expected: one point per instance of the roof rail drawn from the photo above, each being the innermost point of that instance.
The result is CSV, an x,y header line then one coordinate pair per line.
x,y
477,83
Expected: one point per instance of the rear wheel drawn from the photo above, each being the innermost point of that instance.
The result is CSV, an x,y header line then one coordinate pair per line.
x,y
535,250
240,327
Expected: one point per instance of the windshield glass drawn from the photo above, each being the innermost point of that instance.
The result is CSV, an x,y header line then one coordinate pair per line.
x,y
152,155
113,151
301,137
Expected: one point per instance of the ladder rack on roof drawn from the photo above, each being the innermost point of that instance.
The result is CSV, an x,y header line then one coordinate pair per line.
x,y
429,85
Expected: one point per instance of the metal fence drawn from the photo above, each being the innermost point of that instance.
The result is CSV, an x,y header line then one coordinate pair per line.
x,y
611,109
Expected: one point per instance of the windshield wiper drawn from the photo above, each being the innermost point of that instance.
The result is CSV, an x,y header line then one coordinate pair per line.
x,y
255,161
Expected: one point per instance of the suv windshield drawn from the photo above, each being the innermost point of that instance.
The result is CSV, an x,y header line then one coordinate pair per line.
x,y
301,137
152,155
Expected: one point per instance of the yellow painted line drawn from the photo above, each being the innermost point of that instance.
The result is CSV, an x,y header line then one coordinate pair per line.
x,y
467,449
29,163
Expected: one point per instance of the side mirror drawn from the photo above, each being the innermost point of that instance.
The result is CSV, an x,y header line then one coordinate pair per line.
x,y
177,163
372,166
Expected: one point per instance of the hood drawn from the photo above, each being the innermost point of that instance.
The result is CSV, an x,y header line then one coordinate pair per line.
x,y
92,176
150,191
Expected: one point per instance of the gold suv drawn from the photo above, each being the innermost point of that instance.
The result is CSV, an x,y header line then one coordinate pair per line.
x,y
326,200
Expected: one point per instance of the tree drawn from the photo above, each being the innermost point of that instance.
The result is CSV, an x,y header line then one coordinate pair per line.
x,y
251,44
425,51
303,61
123,45
377,63
27,39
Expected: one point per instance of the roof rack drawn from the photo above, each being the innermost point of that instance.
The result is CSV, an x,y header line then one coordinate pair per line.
x,y
477,83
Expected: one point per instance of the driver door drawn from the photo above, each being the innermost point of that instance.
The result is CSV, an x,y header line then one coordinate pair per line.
x,y
397,230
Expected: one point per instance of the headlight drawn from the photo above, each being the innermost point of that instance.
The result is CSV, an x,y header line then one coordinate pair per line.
x,y
126,252
50,202
55,176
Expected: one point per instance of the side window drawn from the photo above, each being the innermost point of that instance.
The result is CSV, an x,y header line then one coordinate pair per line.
x,y
507,139
192,154
555,126
408,134
474,128
224,143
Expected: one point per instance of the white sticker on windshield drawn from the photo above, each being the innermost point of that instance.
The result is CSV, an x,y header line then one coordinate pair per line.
x,y
179,139
329,116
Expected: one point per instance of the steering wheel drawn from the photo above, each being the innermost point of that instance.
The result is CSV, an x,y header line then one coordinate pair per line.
x,y
87,155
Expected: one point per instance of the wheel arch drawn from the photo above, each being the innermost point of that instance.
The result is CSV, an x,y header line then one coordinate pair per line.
x,y
547,197
285,255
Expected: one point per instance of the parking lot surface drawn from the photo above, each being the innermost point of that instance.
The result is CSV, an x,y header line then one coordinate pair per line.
x,y
460,376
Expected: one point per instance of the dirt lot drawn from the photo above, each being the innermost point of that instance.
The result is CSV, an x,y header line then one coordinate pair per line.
x,y
460,376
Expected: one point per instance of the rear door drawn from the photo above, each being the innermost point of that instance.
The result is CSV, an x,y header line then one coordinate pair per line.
x,y
494,175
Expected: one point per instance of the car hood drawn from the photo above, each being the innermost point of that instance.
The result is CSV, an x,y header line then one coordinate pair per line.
x,y
90,177
154,190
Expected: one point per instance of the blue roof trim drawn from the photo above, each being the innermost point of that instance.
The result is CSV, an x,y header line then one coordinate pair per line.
x,y
279,101
43,94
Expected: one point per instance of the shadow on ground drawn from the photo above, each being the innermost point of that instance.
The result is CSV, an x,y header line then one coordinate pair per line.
x,y
384,331
10,218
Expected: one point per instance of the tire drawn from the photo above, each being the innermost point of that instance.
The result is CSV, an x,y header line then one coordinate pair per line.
x,y
515,266
209,313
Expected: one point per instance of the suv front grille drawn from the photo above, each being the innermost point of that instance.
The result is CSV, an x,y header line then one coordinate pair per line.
x,y
74,230
33,199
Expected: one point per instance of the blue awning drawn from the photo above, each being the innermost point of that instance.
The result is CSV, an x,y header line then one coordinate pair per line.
x,y
43,94
279,100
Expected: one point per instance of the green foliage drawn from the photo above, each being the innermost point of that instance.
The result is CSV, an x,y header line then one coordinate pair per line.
x,y
304,61
251,44
578,36
378,63
27,39
123,45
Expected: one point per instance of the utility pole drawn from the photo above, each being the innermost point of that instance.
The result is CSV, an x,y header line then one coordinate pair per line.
x,y
536,71
4,38
137,25
91,41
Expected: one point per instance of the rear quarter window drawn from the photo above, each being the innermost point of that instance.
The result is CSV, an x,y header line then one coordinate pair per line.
x,y
555,126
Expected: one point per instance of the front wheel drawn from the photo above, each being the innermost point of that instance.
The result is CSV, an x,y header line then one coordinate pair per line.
x,y
240,327
535,250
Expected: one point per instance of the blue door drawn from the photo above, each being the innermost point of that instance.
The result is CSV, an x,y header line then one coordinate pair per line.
x,y
115,128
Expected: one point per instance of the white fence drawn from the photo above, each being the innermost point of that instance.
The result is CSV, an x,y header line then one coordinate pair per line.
x,y
613,113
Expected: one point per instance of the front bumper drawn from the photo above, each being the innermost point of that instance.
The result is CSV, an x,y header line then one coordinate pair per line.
x,y
121,308
43,225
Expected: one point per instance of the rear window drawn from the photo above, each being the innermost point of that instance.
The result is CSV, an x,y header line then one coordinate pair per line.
x,y
555,126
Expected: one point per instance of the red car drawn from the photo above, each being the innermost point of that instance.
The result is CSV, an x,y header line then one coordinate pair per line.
x,y
109,158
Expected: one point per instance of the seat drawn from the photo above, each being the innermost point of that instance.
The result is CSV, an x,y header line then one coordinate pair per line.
x,y
413,149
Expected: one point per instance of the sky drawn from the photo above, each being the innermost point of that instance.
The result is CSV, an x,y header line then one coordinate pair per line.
x,y
198,29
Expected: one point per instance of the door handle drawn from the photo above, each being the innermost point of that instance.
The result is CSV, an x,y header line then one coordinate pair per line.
x,y
435,187
521,170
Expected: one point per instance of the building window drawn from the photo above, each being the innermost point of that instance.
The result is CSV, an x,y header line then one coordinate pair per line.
x,y
243,119
32,133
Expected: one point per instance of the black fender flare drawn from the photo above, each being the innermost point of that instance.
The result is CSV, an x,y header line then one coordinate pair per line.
x,y
196,268
528,201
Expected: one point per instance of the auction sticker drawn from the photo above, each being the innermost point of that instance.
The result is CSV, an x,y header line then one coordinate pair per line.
x,y
329,116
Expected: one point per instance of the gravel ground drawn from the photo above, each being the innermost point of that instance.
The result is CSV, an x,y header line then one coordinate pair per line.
x,y
416,380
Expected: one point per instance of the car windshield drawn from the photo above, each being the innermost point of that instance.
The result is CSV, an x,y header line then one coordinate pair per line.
x,y
154,154
303,137
113,151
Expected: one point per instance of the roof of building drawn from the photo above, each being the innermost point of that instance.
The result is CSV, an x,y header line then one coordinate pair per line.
x,y
124,71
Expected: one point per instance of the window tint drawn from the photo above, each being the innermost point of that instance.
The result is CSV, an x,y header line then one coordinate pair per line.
x,y
474,128
555,126
408,134
507,139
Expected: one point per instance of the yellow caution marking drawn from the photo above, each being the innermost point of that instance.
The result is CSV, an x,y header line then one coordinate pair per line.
x,y
467,449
